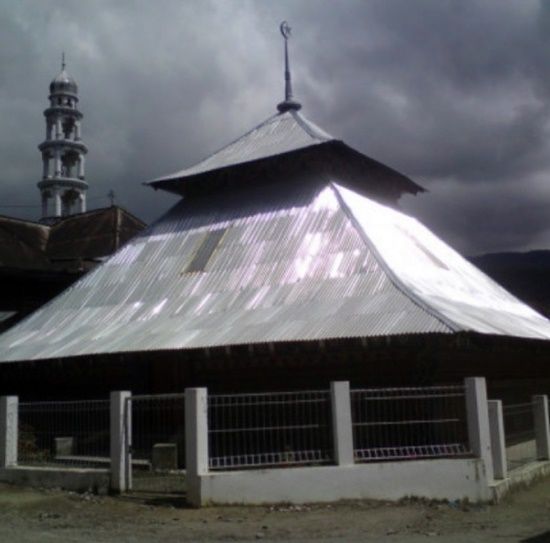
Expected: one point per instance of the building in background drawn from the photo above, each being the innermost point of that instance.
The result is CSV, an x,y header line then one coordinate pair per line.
x,y
38,260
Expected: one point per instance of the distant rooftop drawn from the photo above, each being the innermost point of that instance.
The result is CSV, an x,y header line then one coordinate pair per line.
x,y
67,243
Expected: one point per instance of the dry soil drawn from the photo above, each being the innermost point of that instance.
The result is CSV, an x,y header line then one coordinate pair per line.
x,y
30,515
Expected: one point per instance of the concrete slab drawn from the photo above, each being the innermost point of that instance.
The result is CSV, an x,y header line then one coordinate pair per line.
x,y
521,477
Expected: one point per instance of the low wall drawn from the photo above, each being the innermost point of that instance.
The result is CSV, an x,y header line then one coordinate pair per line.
x,y
522,477
75,479
444,479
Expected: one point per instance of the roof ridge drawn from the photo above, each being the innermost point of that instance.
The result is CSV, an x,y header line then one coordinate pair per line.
x,y
25,221
392,276
90,212
309,127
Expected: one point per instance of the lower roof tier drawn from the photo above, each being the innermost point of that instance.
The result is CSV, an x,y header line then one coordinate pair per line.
x,y
311,262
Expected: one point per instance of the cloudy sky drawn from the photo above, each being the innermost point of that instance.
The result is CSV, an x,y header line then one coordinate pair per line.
x,y
455,94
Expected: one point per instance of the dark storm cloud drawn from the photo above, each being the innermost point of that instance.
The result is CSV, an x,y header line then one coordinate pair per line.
x,y
455,94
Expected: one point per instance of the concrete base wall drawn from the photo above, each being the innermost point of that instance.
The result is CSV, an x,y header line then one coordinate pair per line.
x,y
444,479
520,478
75,479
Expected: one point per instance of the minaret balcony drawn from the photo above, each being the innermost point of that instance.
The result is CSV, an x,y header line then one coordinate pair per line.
x,y
59,181
77,145
63,110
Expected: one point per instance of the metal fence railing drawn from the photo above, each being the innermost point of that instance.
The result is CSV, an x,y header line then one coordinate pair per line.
x,y
409,423
74,433
519,431
157,442
285,428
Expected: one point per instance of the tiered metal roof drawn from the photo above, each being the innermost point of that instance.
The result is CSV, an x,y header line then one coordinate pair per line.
x,y
312,262
291,145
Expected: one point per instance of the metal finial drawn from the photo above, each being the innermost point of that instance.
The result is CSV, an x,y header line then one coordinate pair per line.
x,y
285,30
63,60
111,196
289,103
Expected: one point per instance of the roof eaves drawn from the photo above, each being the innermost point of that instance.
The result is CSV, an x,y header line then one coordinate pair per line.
x,y
169,184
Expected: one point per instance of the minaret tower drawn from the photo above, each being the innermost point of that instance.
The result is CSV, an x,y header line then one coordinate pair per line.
x,y
63,188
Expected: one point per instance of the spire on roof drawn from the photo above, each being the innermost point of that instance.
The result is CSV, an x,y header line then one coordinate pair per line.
x,y
289,103
63,60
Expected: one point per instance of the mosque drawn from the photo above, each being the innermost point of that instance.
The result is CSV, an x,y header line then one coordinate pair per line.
x,y
286,264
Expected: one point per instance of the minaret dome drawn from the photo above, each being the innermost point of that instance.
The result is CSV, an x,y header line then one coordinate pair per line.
x,y
63,84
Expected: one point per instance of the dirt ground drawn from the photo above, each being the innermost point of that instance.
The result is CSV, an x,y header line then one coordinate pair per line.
x,y
30,515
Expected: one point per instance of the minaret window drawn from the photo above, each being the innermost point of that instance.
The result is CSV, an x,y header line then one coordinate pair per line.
x,y
68,127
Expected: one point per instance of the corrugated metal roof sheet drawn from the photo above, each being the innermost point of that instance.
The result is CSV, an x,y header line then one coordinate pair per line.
x,y
437,276
279,134
290,266
306,263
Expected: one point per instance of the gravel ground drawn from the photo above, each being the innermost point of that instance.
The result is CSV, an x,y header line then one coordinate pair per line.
x,y
30,515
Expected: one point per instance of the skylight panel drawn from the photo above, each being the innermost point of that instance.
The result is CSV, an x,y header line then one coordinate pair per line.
x,y
205,251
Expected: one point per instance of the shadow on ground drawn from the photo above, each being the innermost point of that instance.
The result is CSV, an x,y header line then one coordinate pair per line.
x,y
541,538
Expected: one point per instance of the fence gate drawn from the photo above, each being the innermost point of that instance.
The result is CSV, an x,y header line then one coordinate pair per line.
x,y
156,443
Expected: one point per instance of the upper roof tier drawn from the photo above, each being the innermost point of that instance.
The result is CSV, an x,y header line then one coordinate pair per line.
x,y
63,84
286,144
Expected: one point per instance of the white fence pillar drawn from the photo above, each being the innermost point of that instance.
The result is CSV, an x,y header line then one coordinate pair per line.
x,y
478,422
542,426
196,441
9,414
342,429
121,428
498,442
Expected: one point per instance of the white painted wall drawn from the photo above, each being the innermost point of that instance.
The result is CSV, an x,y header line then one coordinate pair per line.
x,y
120,428
9,416
449,479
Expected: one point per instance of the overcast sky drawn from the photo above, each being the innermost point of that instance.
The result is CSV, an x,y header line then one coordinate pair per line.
x,y
454,94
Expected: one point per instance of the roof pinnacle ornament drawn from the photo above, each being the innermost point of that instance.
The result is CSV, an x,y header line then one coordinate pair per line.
x,y
289,103
63,60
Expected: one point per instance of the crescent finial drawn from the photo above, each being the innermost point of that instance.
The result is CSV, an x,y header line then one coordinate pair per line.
x,y
285,30
289,103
